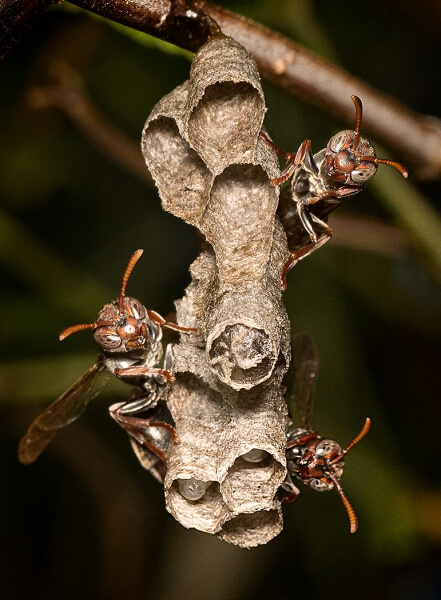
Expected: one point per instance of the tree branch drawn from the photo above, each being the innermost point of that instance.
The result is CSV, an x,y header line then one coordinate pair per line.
x,y
181,22
189,23
17,17
63,90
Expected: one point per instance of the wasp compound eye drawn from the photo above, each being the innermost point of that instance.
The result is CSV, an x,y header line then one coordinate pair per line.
x,y
134,308
364,174
320,486
108,340
295,452
327,447
337,141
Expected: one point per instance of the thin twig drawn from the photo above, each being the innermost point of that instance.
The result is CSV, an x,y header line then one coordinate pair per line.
x,y
17,17
188,24
181,22
65,93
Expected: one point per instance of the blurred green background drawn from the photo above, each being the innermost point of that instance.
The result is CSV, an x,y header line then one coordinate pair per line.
x,y
86,521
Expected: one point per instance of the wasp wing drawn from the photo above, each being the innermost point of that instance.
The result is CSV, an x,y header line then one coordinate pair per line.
x,y
305,365
149,460
66,409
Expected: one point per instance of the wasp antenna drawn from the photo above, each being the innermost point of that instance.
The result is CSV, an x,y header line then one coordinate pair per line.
x,y
363,433
358,116
130,266
385,161
353,521
396,165
75,328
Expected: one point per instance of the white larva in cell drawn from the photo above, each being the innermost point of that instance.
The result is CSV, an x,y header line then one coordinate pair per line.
x,y
255,455
193,489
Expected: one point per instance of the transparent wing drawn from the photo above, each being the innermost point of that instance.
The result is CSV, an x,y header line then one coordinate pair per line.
x,y
305,367
66,409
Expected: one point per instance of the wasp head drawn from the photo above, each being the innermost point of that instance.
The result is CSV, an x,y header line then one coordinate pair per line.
x,y
350,159
319,462
309,459
121,326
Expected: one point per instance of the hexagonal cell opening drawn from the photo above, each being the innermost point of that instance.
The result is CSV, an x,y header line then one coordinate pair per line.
x,y
251,485
207,514
242,355
251,530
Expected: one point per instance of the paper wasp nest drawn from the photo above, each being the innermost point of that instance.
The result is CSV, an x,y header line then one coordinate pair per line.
x,y
213,170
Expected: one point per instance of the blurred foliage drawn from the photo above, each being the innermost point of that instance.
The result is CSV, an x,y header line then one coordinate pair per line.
x,y
85,520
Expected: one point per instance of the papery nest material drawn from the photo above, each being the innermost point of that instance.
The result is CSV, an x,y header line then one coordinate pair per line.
x,y
213,170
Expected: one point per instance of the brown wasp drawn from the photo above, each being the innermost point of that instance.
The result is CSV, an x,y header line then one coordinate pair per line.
x,y
315,461
129,336
322,181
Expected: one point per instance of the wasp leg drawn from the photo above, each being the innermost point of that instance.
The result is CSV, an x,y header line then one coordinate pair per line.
x,y
326,233
305,251
294,161
156,317
306,218
302,441
134,427
289,487
136,371
339,194
275,147
289,498
135,423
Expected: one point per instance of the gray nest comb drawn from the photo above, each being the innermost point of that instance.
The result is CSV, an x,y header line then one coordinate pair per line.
x,y
212,169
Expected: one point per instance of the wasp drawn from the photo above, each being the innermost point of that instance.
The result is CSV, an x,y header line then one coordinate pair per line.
x,y
151,430
321,182
129,337
315,461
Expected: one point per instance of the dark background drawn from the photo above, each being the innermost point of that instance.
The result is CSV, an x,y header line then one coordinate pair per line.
x,y
85,520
